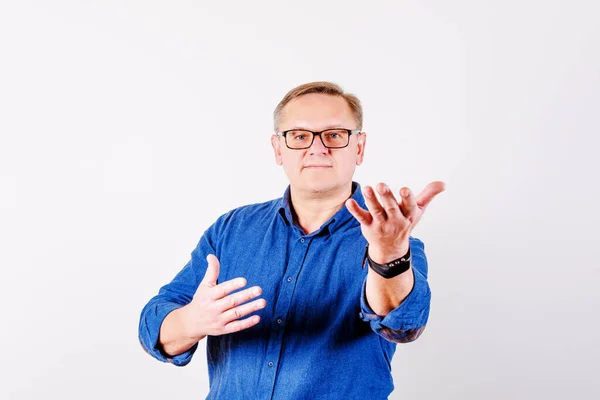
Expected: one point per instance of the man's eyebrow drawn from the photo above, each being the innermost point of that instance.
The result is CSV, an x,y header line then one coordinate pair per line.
x,y
304,128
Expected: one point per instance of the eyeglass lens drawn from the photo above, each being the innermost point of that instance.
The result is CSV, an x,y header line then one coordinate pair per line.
x,y
303,139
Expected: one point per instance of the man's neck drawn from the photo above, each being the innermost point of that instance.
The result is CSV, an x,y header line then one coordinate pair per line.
x,y
313,209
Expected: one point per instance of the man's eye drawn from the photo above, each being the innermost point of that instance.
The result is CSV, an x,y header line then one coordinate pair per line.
x,y
334,135
300,137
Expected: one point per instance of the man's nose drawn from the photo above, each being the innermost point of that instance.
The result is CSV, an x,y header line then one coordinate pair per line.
x,y
317,146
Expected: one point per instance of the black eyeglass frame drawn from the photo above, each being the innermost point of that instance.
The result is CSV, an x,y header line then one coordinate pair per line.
x,y
350,133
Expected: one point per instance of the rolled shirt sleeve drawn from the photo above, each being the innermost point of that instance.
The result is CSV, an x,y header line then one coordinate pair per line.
x,y
178,293
406,322
151,320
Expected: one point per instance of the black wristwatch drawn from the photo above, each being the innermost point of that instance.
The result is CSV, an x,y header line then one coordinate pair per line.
x,y
390,269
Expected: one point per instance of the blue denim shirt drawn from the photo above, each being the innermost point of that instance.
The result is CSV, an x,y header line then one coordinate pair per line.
x,y
317,337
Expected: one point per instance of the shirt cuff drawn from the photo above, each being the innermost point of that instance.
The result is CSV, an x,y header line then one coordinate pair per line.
x,y
406,322
152,318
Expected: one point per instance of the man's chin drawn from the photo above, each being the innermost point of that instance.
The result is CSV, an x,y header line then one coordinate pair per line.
x,y
320,185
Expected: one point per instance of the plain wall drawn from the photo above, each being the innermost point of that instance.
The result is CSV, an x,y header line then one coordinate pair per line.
x,y
128,127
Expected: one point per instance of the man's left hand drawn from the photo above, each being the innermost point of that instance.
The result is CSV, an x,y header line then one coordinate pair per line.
x,y
387,225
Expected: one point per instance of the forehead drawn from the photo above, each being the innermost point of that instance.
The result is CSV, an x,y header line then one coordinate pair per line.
x,y
317,111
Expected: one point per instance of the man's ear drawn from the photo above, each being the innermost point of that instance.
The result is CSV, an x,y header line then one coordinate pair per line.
x,y
276,143
360,148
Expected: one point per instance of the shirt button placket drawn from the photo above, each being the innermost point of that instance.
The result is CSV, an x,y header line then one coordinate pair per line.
x,y
283,304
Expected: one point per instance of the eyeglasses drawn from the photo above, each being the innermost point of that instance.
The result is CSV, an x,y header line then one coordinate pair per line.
x,y
299,139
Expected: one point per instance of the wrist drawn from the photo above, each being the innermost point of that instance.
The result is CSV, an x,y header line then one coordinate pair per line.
x,y
391,269
186,329
382,255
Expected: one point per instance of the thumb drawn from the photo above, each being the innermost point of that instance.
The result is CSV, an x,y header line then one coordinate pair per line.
x,y
212,271
430,191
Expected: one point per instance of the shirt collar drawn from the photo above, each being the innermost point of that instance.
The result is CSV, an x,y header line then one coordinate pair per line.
x,y
340,218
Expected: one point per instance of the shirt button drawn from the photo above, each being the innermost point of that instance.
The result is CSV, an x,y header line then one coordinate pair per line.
x,y
302,240
279,321
270,364
289,279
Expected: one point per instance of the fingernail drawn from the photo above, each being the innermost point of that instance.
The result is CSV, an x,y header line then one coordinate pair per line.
x,y
256,291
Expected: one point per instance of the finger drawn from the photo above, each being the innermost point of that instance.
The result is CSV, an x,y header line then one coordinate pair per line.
x,y
388,201
212,271
430,191
363,216
377,212
243,310
237,326
233,300
409,203
223,289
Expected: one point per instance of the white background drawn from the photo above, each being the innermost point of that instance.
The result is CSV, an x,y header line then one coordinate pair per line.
x,y
128,127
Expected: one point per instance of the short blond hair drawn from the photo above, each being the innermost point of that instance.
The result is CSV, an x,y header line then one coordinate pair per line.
x,y
320,87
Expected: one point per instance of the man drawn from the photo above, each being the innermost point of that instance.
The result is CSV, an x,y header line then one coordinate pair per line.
x,y
325,326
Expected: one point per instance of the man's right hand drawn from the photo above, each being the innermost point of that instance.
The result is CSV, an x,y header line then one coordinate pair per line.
x,y
213,311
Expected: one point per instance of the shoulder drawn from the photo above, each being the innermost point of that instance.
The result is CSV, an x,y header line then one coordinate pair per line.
x,y
241,222
258,213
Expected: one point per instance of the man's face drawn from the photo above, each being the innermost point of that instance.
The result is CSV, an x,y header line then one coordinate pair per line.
x,y
318,169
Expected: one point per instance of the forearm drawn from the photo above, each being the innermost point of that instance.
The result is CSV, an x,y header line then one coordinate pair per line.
x,y
174,337
384,295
